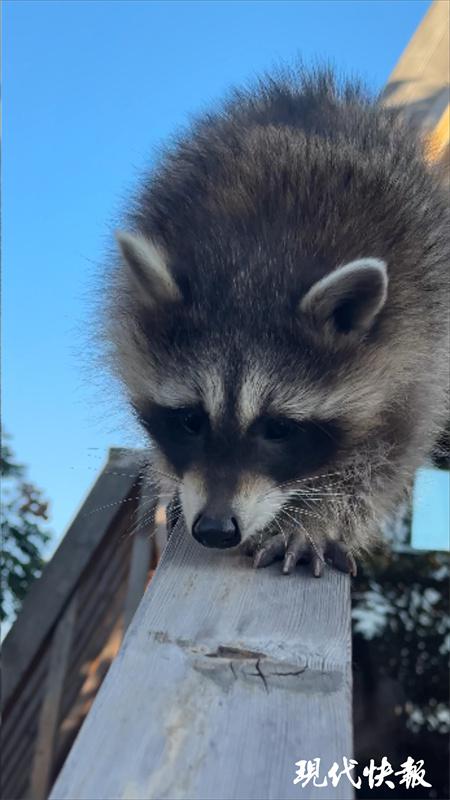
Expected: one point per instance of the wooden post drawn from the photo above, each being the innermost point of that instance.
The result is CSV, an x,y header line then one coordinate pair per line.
x,y
227,676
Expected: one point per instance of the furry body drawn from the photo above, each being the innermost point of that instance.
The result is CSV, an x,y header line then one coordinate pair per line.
x,y
245,214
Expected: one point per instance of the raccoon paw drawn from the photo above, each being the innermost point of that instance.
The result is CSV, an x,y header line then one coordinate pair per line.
x,y
295,547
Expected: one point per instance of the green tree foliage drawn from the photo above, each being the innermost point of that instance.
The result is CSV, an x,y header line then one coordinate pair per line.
x,y
24,533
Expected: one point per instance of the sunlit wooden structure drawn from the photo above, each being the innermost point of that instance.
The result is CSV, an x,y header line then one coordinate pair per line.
x,y
419,84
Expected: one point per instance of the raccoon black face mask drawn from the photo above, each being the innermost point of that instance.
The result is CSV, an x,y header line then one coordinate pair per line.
x,y
278,314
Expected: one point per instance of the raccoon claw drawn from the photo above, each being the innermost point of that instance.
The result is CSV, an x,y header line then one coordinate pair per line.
x,y
264,550
340,557
317,566
271,551
290,549
298,549
293,549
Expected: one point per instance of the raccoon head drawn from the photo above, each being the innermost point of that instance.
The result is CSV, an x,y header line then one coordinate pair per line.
x,y
247,399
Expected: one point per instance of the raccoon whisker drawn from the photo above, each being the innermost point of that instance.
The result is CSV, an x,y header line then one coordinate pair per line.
x,y
313,545
313,510
173,478
175,506
138,498
167,496
282,531
318,476
323,486
111,472
141,523
176,509
286,513
309,537
140,478
310,478
149,517
167,475
310,492
116,503
319,493
310,498
303,511
319,486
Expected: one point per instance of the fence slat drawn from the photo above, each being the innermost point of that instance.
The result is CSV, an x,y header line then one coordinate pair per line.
x,y
48,718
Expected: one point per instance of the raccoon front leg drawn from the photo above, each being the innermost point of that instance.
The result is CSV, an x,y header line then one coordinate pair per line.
x,y
295,547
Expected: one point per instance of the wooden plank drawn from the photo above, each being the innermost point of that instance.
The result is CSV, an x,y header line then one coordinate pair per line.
x,y
49,714
420,81
227,676
437,141
49,594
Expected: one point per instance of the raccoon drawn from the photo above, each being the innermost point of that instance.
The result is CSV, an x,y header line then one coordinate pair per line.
x,y
278,314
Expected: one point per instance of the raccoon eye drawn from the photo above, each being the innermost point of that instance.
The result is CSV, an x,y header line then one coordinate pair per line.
x,y
277,429
192,421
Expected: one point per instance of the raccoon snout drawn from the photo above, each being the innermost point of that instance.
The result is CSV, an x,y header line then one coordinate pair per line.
x,y
220,532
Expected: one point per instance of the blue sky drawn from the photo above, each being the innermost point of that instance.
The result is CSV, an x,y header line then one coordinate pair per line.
x,y
90,88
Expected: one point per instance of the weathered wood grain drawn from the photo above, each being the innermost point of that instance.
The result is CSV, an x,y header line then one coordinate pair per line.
x,y
227,677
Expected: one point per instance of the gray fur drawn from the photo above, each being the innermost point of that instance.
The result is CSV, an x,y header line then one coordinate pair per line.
x,y
253,205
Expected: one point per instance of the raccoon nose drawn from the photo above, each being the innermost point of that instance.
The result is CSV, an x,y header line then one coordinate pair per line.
x,y
216,532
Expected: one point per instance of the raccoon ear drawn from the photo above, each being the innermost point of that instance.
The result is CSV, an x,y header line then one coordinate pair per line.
x,y
350,297
148,265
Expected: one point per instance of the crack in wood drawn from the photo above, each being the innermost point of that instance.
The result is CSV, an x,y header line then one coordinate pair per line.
x,y
283,674
224,651
261,675
233,670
